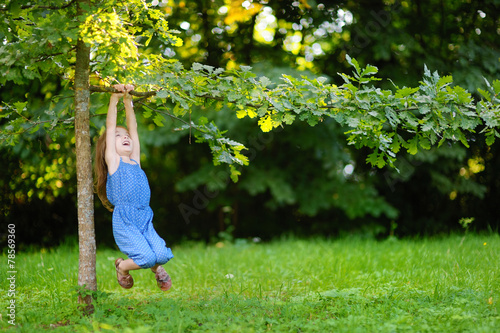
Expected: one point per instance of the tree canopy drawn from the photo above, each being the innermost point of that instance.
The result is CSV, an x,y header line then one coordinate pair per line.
x,y
42,40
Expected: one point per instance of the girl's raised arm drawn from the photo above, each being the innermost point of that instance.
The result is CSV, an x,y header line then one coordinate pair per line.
x,y
132,124
111,156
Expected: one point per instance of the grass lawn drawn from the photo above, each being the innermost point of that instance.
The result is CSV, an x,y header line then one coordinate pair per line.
x,y
447,284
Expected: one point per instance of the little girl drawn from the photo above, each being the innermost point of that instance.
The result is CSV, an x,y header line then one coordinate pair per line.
x,y
123,184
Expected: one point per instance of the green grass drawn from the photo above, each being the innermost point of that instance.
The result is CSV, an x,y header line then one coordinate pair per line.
x,y
445,284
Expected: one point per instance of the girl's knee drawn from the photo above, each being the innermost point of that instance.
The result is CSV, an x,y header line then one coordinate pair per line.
x,y
160,257
148,260
164,256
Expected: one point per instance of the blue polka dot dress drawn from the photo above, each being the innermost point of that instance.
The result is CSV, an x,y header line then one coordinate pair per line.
x,y
128,190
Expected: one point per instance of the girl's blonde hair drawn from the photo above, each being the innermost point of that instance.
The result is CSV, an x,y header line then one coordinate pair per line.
x,y
101,170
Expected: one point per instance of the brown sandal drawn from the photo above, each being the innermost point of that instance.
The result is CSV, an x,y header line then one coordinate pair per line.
x,y
163,279
125,281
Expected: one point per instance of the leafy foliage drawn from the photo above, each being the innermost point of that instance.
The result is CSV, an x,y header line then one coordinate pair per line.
x,y
431,113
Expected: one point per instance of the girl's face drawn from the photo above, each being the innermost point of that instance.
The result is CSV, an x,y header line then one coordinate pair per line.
x,y
123,142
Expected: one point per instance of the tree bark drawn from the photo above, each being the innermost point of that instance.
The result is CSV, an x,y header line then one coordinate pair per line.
x,y
86,232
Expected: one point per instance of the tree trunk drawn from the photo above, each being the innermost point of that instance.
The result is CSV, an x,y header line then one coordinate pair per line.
x,y
86,233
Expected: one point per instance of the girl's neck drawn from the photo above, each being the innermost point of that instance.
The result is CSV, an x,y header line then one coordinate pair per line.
x,y
126,159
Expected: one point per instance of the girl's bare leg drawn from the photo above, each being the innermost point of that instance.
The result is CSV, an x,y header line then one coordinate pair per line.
x,y
127,265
